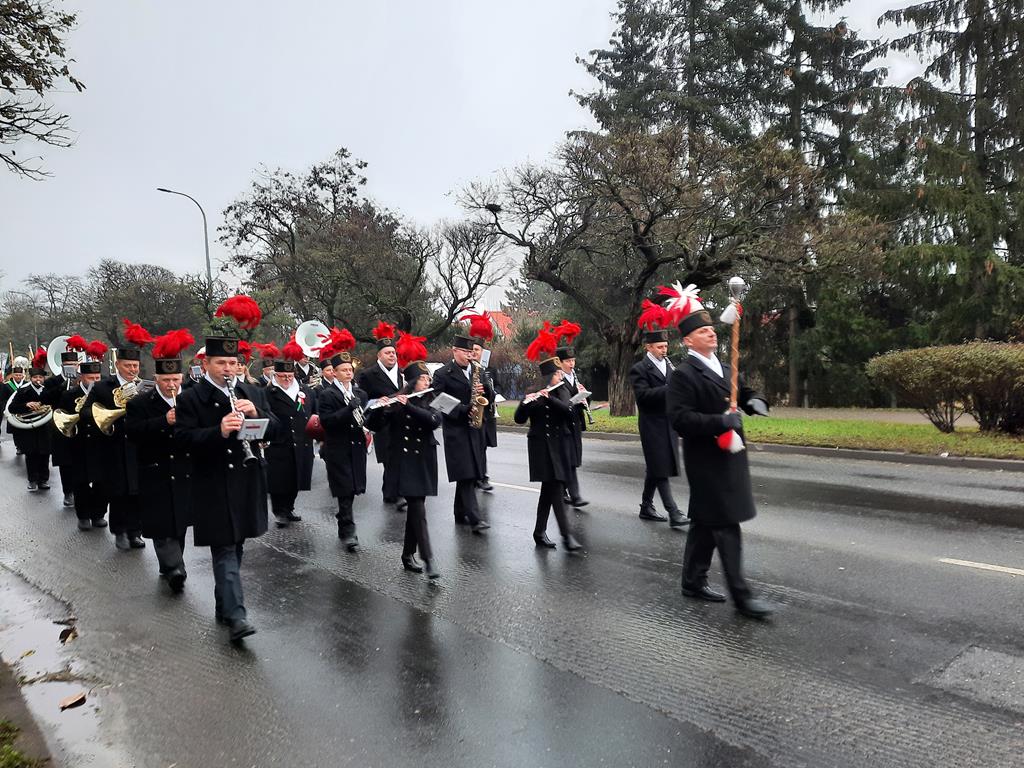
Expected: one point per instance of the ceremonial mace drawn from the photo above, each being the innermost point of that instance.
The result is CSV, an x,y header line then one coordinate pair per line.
x,y
731,441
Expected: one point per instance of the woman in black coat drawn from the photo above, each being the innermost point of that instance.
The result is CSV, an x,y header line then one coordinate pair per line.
x,y
412,456
290,454
550,451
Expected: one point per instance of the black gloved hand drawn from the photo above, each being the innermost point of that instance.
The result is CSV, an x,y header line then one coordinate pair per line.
x,y
758,406
733,421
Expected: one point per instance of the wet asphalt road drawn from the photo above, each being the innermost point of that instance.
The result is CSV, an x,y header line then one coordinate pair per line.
x,y
881,654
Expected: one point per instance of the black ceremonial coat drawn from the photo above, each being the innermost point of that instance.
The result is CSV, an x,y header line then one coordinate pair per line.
x,y
112,463
412,454
463,446
720,490
344,450
54,389
6,394
78,446
578,422
165,468
300,375
30,440
290,454
491,414
549,441
229,496
377,384
660,442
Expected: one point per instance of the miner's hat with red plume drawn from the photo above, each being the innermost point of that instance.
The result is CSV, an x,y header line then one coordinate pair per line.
x,y
481,326
542,350
167,350
566,332
135,335
410,349
384,333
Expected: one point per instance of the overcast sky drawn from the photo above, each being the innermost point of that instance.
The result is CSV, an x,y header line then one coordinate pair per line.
x,y
194,95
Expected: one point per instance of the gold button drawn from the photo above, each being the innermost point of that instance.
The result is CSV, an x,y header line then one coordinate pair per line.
x,y
231,466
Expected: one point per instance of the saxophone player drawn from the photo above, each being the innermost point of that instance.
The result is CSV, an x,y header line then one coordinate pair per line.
x,y
464,443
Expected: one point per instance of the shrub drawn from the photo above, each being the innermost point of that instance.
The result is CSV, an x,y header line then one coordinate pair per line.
x,y
984,379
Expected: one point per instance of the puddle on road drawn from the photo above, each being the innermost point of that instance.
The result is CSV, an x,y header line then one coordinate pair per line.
x,y
30,644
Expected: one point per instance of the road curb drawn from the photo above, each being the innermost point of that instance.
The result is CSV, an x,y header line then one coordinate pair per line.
x,y
855,454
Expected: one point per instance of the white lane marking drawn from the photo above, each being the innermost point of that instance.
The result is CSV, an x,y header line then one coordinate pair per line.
x,y
515,487
982,566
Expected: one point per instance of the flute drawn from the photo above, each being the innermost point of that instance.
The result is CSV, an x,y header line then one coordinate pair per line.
x,y
534,395
378,404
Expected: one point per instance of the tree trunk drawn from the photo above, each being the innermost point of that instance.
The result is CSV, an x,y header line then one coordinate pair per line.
x,y
620,393
794,367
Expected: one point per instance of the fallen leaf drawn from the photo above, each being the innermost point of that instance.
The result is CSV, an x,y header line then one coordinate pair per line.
x,y
68,621
26,654
67,634
76,700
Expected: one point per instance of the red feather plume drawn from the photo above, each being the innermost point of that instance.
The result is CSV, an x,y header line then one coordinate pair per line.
x,y
339,340
567,330
77,343
39,359
653,317
292,350
384,331
245,349
410,348
171,344
135,333
243,309
480,325
96,349
267,351
544,345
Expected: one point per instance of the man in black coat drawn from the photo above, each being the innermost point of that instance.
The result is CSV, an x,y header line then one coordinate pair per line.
x,y
463,444
34,443
165,470
113,467
53,390
15,381
340,407
229,489
490,374
89,506
720,492
383,380
578,424
290,454
649,378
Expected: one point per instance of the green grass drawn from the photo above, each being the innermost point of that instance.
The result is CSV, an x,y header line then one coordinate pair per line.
x,y
9,756
868,435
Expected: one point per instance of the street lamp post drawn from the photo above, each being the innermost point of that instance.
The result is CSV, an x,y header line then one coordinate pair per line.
x,y
206,236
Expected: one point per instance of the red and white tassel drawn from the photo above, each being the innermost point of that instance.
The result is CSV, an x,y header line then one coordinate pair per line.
x,y
731,441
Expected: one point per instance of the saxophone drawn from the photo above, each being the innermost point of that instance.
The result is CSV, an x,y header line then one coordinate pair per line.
x,y
477,403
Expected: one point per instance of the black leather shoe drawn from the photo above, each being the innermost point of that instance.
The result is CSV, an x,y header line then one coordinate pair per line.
x,y
412,564
99,522
676,520
704,593
241,628
135,541
401,506
121,541
484,485
755,608
351,543
543,542
69,499
578,502
570,543
85,525
432,572
282,521
33,487
176,580
44,486
480,527
293,518
648,512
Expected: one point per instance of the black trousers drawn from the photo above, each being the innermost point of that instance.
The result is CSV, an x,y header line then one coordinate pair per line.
x,y
346,525
416,534
701,543
67,479
170,553
124,514
37,467
89,505
466,507
283,503
664,488
572,488
227,581
551,498
387,487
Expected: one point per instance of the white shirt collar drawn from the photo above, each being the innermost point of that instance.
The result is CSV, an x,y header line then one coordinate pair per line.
x,y
120,379
223,389
711,362
85,389
662,364
167,400
392,374
347,391
292,391
38,390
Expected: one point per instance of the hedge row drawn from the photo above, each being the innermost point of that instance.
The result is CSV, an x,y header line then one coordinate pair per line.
x,y
984,379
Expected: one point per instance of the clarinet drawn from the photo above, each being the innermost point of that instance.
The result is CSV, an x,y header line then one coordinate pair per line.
x,y
250,457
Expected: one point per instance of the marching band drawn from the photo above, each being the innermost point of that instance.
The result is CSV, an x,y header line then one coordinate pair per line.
x,y
205,445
